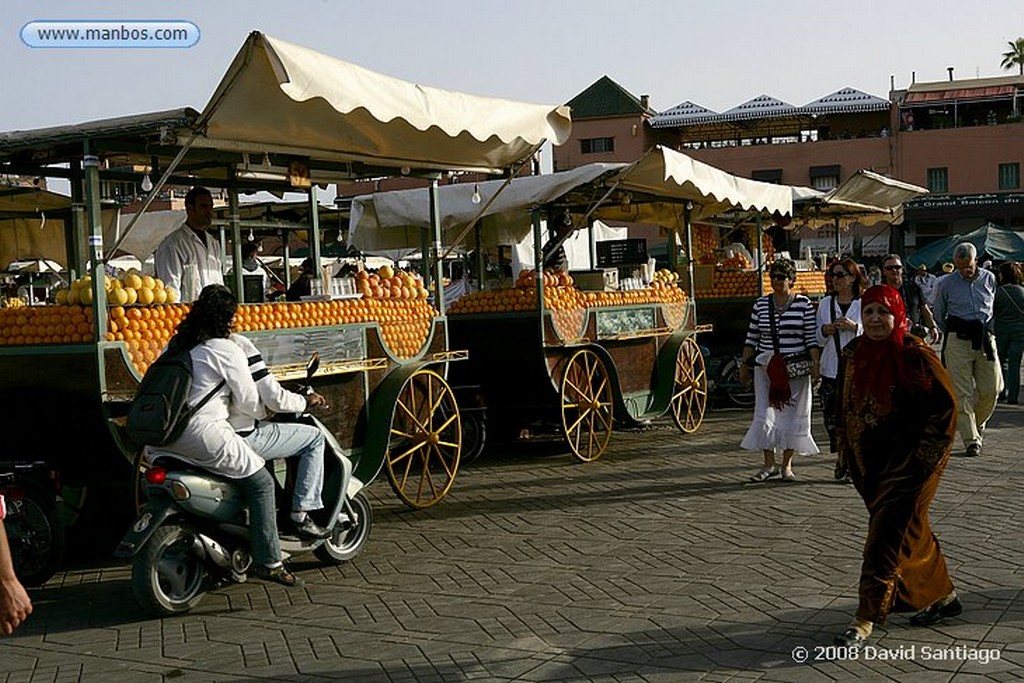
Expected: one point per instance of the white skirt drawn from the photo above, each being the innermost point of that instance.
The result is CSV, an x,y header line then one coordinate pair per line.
x,y
789,428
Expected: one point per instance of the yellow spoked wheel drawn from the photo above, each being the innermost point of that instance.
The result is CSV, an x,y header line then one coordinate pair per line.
x,y
425,442
586,405
690,392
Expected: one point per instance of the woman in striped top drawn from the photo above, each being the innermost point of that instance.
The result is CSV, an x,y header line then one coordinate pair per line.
x,y
778,426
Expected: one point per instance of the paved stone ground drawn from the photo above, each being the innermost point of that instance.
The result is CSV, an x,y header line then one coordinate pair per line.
x,y
659,562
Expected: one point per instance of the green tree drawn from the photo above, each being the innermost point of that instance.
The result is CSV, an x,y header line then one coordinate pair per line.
x,y
1015,56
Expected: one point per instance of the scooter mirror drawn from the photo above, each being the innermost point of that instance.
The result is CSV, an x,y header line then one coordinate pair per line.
x,y
313,364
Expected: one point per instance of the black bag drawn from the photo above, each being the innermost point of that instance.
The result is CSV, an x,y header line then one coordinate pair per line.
x,y
160,411
798,365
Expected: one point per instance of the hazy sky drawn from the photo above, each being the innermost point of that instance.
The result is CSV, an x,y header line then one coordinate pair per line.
x,y
717,53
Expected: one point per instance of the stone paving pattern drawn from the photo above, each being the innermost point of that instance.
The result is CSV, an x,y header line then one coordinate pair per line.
x,y
658,562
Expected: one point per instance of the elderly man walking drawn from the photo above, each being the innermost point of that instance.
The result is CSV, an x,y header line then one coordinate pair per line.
x,y
963,311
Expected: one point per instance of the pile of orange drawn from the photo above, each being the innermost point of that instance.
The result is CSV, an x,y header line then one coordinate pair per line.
x,y
563,298
386,283
807,282
46,325
705,242
145,330
731,283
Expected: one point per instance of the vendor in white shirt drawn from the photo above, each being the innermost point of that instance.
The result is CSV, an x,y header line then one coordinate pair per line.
x,y
192,249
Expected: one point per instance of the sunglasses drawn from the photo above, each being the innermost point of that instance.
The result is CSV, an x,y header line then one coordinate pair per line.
x,y
894,268
839,274
779,276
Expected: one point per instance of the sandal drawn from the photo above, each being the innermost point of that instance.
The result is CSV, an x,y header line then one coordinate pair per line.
x,y
279,575
788,476
765,473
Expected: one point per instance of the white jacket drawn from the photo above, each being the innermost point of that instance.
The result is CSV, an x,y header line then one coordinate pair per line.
x,y
184,246
273,397
210,440
829,357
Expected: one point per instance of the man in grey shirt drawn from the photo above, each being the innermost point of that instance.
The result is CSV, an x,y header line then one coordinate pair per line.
x,y
963,311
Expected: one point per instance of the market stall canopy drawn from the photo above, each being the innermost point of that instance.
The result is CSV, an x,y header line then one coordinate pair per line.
x,y
991,241
279,107
663,180
33,224
653,190
865,196
261,217
387,221
284,98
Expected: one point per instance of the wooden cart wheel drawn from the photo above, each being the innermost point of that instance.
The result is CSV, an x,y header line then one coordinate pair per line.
x,y
586,405
425,442
690,393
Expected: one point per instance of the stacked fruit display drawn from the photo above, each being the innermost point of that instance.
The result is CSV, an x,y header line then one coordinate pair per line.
x,y
730,284
128,290
704,244
810,282
404,323
145,330
21,325
561,294
386,283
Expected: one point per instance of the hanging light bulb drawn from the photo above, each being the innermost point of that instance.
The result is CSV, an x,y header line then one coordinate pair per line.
x,y
476,194
266,160
252,236
146,183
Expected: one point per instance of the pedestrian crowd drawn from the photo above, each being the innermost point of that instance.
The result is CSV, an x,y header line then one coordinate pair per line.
x,y
892,405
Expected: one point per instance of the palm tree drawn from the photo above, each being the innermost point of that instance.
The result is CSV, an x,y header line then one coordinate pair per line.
x,y
1015,56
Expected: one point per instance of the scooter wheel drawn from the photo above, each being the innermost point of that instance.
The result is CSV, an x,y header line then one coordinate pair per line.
x,y
168,576
348,536
36,536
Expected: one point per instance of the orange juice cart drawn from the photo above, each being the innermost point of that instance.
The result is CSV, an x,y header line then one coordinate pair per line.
x,y
575,350
283,119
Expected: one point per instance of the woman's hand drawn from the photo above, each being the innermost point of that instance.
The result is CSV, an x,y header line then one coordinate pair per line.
x,y
846,324
744,373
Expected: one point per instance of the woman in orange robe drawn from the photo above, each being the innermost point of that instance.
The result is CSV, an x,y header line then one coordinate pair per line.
x,y
896,429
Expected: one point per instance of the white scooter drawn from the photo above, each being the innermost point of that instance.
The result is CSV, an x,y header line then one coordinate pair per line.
x,y
194,526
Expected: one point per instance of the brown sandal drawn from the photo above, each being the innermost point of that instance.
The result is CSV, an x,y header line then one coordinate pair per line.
x,y
279,575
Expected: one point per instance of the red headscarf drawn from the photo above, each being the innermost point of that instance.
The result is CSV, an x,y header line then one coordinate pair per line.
x,y
881,364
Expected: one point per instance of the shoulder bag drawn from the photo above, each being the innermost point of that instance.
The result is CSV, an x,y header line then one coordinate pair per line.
x,y
797,364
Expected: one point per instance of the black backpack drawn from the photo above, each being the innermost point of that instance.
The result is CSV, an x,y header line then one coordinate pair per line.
x,y
160,411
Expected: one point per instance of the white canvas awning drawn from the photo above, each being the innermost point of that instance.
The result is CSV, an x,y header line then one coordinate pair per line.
x,y
657,187
669,175
866,197
279,97
393,220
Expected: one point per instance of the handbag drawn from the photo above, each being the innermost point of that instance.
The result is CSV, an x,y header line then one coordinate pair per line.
x,y
797,365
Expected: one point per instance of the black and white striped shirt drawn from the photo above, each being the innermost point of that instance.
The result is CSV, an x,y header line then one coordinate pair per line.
x,y
795,324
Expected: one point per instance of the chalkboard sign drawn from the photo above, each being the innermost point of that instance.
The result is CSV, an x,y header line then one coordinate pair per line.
x,y
611,253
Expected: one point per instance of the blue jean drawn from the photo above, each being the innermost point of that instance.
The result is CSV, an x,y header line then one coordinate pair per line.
x,y
259,491
1011,348
273,440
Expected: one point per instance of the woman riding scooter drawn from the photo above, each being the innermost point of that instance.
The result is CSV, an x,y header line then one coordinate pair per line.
x,y
212,441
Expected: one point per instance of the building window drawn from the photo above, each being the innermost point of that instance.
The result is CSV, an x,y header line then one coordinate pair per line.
x,y
1009,176
825,178
767,175
597,145
938,180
